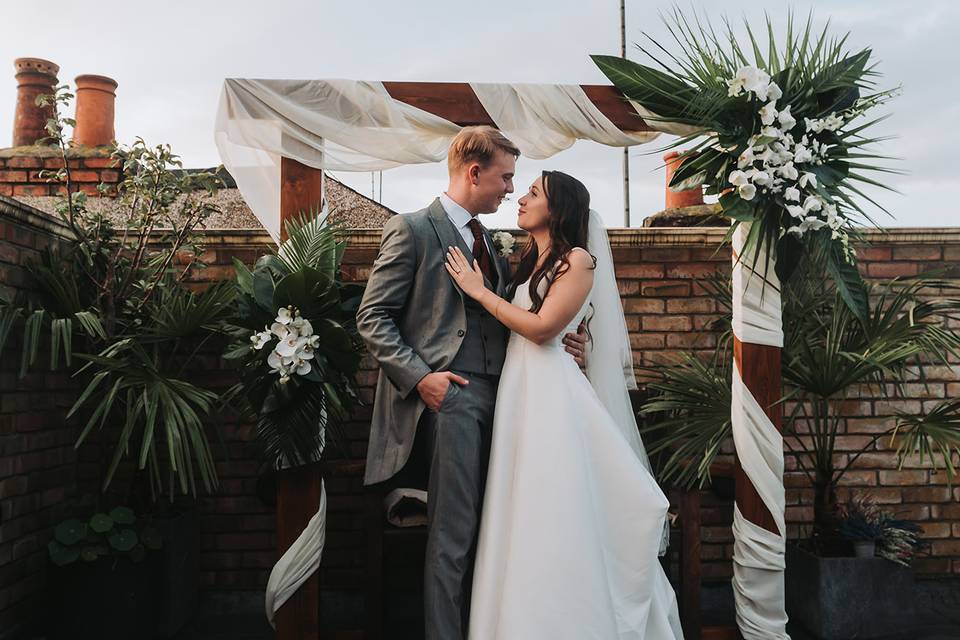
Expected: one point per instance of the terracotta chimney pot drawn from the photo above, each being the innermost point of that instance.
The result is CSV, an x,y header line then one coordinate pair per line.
x,y
35,77
674,199
96,96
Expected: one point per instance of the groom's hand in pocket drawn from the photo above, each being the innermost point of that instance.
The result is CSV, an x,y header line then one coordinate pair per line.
x,y
433,387
576,345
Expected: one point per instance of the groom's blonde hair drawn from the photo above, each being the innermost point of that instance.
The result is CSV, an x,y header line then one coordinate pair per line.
x,y
478,144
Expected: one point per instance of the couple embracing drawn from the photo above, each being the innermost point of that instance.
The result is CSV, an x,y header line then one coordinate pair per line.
x,y
544,521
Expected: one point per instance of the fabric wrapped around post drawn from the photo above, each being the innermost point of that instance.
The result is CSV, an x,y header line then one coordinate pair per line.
x,y
758,554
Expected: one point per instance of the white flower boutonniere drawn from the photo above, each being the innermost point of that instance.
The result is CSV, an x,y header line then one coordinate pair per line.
x,y
503,242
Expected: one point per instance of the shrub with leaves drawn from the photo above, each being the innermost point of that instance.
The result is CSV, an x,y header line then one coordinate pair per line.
x,y
114,305
116,534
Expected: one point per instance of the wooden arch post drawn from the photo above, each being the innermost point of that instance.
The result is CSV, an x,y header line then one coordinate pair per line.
x,y
301,190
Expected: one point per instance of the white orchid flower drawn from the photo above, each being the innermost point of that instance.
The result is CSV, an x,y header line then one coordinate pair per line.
x,y
773,91
771,132
746,78
281,330
260,339
796,211
816,126
761,178
737,178
813,223
792,194
746,158
284,315
304,328
812,203
767,157
768,112
788,171
274,361
763,86
747,191
303,368
287,346
832,122
802,154
303,350
808,178
786,120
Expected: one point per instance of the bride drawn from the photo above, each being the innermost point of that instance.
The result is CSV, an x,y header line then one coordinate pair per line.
x,y
572,518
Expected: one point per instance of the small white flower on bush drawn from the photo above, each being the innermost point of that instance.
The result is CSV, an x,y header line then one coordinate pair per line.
x,y
503,241
295,344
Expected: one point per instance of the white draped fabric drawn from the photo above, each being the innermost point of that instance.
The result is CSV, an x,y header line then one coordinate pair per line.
x,y
298,562
758,554
348,125
543,119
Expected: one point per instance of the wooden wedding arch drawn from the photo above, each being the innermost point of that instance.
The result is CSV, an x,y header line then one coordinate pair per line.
x,y
301,189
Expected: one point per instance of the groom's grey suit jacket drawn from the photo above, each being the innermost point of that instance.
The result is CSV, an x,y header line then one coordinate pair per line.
x,y
413,321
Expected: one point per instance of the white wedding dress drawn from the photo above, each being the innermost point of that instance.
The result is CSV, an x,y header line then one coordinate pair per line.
x,y
572,519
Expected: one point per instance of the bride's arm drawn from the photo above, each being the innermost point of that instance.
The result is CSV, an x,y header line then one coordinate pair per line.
x,y
564,297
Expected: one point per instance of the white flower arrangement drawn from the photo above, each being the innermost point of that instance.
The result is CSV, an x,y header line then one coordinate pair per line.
x,y
503,242
295,343
776,164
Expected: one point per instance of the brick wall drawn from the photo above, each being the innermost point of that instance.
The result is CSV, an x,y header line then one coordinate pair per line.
x,y
37,460
20,169
659,272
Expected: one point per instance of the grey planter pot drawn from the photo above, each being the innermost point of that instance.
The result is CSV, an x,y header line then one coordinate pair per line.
x,y
842,598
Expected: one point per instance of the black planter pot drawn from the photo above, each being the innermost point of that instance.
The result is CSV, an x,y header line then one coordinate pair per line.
x,y
841,598
117,599
111,599
178,584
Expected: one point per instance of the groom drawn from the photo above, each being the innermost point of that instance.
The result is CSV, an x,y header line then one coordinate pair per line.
x,y
440,356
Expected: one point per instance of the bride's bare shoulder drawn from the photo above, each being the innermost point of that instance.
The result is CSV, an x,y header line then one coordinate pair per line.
x,y
580,258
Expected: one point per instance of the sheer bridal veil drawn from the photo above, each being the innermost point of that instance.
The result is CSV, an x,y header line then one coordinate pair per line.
x,y
610,358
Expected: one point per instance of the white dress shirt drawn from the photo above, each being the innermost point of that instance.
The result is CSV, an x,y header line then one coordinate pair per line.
x,y
461,218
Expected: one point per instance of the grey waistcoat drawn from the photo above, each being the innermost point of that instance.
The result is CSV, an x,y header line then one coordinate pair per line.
x,y
484,346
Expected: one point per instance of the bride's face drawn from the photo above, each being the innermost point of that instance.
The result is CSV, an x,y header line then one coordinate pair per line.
x,y
534,213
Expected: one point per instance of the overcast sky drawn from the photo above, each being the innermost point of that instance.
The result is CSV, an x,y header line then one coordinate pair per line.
x,y
170,59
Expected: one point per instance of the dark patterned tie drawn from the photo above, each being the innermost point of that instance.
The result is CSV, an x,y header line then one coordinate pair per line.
x,y
480,252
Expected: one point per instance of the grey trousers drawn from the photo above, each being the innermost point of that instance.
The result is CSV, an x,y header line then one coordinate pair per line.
x,y
458,439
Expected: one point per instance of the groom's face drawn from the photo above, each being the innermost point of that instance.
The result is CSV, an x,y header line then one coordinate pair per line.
x,y
492,183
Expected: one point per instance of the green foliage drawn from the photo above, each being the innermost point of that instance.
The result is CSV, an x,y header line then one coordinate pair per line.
x,y
829,355
104,535
114,307
722,130
297,415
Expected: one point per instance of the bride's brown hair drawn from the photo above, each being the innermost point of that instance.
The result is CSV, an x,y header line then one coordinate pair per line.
x,y
569,204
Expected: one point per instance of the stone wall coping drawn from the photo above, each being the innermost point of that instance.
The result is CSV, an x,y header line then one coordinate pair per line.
x,y
619,237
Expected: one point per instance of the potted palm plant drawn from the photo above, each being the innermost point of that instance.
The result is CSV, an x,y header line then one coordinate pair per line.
x,y
112,305
829,357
